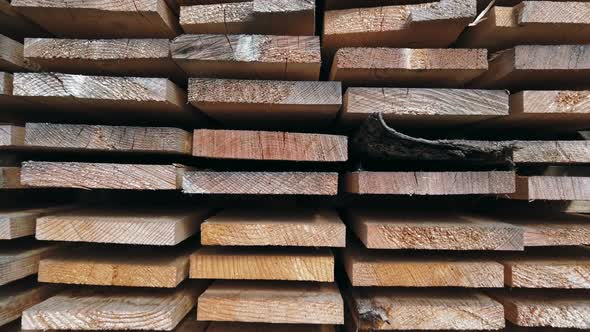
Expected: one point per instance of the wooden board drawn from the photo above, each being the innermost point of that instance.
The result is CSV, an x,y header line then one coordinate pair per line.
x,y
269,145
439,68
67,137
122,57
537,67
17,223
268,302
102,19
552,188
16,26
149,226
561,310
531,23
367,268
278,17
104,97
19,296
21,260
256,102
549,269
100,175
429,183
424,309
10,178
554,152
14,109
11,55
565,229
113,309
261,264
274,227
267,327
260,183
105,266
435,24
11,135
436,230
339,4
248,56
423,107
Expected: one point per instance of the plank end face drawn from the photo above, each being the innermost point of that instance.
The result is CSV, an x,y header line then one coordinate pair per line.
x,y
430,183
260,183
264,302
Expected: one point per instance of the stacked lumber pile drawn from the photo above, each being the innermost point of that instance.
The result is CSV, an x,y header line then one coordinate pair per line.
x,y
294,165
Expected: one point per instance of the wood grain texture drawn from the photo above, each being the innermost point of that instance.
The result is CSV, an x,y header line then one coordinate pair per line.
x,y
566,269
275,17
248,56
17,223
11,135
268,145
15,25
267,327
440,68
537,67
424,309
10,178
260,264
530,308
430,183
151,226
20,296
101,97
260,183
564,229
367,268
112,309
531,23
423,107
434,24
259,102
67,137
436,230
100,175
102,19
552,188
278,302
341,4
555,152
21,260
11,55
123,57
272,227
104,266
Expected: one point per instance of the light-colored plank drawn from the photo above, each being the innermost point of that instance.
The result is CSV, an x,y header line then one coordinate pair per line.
x,y
441,68
261,264
21,260
100,175
549,269
145,227
69,137
531,23
555,152
19,296
260,183
424,309
256,102
564,229
113,309
278,302
430,183
249,56
103,266
17,223
101,97
121,57
366,268
14,109
11,135
267,327
269,145
552,188
437,230
102,19
434,24
537,66
276,17
548,309
424,107
11,56
341,4
274,227
10,178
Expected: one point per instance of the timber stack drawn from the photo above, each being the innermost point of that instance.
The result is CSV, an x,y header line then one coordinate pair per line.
x,y
294,165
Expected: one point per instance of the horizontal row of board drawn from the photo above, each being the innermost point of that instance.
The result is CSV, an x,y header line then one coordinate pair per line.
x,y
83,175
263,103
